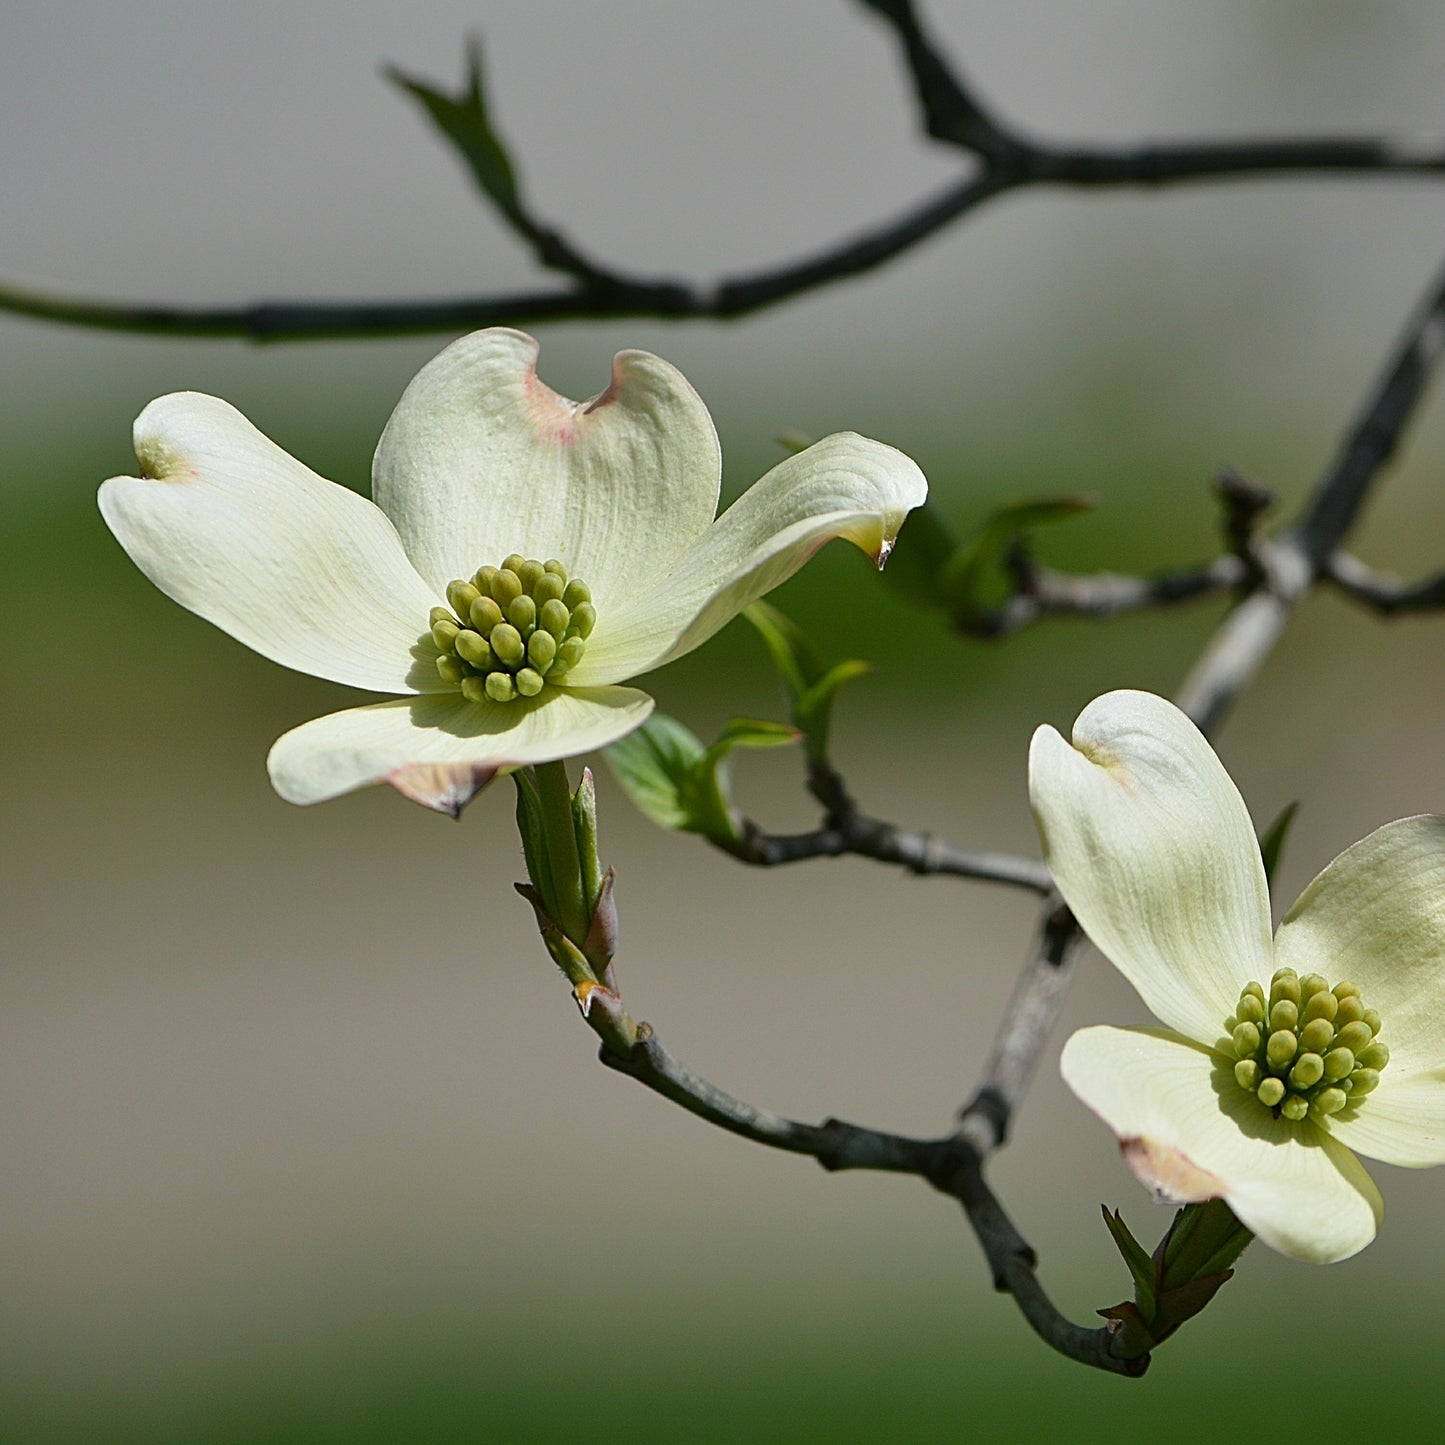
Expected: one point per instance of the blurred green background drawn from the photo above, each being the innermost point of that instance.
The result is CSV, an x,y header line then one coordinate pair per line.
x,y
301,1138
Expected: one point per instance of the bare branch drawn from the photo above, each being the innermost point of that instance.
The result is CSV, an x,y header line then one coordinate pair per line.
x,y
1100,595
848,830
1387,595
1001,161
1371,441
950,1164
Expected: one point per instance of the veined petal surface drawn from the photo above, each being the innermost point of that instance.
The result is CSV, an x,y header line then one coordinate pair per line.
x,y
1152,847
300,569
1179,1116
1402,1122
843,486
332,755
481,459
1376,917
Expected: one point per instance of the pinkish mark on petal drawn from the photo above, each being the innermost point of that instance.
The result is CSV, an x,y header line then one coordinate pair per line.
x,y
555,416
443,787
1168,1173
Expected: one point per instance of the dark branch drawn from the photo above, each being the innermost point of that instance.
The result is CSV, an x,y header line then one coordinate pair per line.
x,y
1100,595
847,830
1293,564
1040,591
1387,595
951,1164
1002,162
1371,441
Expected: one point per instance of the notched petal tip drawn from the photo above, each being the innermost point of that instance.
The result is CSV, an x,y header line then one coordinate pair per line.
x,y
1169,1174
442,787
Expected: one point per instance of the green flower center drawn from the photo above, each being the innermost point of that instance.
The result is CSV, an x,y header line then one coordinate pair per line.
x,y
512,629
1305,1048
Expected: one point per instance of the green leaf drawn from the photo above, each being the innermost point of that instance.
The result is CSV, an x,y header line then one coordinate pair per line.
x,y
1141,1265
655,766
813,712
465,123
974,578
790,651
810,683
918,557
682,785
1272,844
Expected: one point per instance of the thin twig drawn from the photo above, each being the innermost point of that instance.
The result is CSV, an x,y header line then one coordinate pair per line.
x,y
949,1163
1303,555
1387,595
846,829
1001,161
1044,592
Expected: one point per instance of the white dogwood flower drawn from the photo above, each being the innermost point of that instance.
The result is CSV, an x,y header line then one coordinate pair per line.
x,y
1282,1055
524,555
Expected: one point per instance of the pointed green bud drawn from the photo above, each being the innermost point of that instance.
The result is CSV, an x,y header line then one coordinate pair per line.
x,y
1284,985
500,686
485,614
1327,1102
576,593
541,650
584,619
444,633
1250,1010
461,595
506,587
1311,984
1270,1091
1281,1048
1339,1064
548,588
1354,1036
1322,1004
1365,1081
1373,1056
554,617
474,689
1317,1035
1246,1074
1308,1070
1373,1019
1283,1015
441,614
529,574
1245,1039
569,653
522,614
529,682
553,566
1351,1011
507,645
472,647
1345,989
514,562
450,669
1295,1107
483,580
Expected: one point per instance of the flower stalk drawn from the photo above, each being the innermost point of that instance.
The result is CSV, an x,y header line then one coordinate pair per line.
x,y
572,896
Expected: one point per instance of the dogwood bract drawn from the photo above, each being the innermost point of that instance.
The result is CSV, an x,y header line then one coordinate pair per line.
x,y
524,555
1279,1056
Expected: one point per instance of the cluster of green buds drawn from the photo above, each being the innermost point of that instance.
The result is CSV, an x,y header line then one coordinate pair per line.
x,y
1304,1048
512,629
